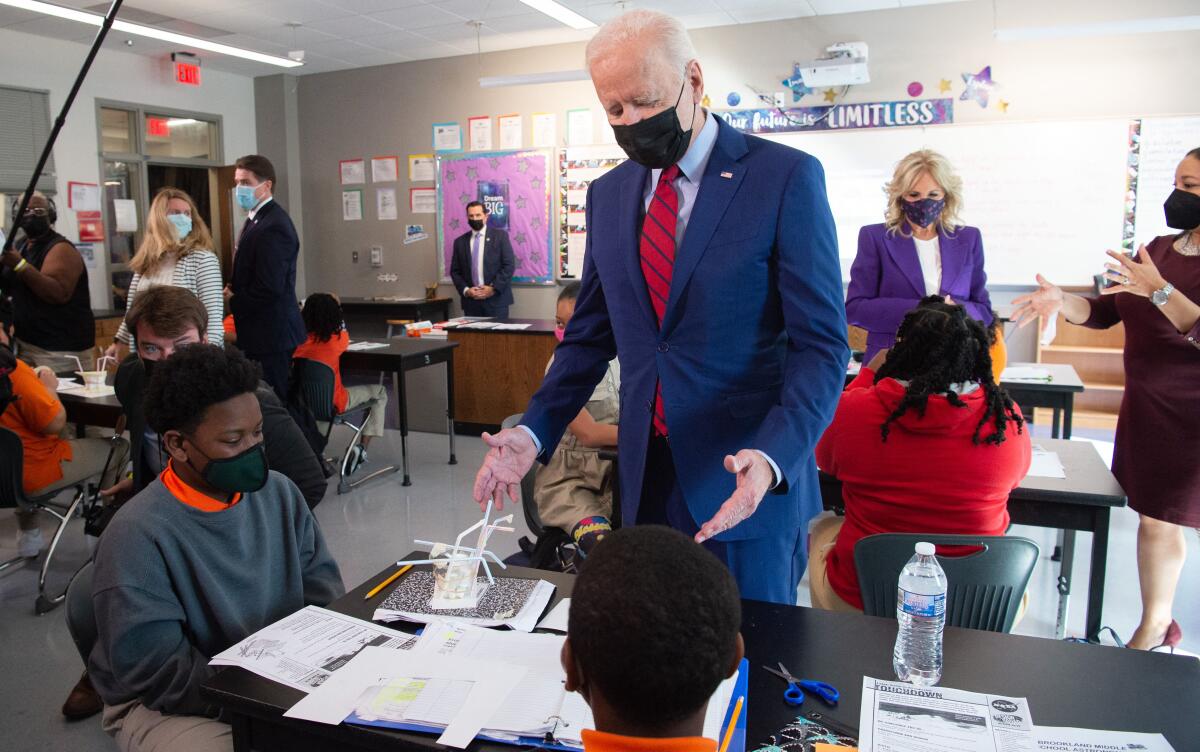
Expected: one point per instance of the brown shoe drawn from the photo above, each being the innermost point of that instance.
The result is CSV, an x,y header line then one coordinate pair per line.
x,y
83,702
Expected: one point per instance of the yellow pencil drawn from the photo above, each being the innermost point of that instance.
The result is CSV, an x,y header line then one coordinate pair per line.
x,y
733,719
375,590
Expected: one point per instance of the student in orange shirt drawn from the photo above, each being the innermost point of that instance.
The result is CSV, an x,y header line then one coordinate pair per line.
x,y
327,340
50,462
648,673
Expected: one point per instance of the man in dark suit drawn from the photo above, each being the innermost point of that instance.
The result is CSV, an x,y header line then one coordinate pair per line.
x,y
482,266
712,273
263,283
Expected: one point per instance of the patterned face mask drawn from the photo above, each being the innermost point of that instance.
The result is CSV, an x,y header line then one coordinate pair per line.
x,y
924,212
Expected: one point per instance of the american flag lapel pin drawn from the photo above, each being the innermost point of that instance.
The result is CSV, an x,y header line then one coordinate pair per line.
x,y
727,175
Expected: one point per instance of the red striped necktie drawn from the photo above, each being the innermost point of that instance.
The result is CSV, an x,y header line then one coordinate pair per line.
x,y
657,248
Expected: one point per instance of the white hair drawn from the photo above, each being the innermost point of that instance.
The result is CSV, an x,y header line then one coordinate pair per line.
x,y
657,33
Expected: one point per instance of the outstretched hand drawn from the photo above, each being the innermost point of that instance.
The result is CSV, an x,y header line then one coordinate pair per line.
x,y
511,455
754,479
1046,302
1139,277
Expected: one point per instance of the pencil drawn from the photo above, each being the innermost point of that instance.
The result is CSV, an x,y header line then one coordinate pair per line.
x,y
733,719
375,590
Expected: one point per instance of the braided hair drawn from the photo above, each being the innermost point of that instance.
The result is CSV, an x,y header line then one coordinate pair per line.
x,y
938,345
322,316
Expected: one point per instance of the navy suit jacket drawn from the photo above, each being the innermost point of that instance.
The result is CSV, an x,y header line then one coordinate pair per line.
x,y
498,265
886,281
264,304
752,350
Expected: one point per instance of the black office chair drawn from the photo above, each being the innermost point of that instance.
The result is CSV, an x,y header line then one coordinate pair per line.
x,y
552,548
12,494
81,613
314,382
985,587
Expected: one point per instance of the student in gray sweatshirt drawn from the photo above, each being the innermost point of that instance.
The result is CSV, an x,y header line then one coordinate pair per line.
x,y
216,548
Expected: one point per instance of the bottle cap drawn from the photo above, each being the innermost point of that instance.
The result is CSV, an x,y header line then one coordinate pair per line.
x,y
925,549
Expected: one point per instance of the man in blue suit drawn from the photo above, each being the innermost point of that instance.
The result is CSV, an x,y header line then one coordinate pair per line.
x,y
712,272
482,266
263,283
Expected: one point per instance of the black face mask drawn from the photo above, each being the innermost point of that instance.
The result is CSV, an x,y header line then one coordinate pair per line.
x,y
1183,210
476,224
658,141
35,226
148,369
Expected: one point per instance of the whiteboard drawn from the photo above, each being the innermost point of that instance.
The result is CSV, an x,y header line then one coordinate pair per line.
x,y
1163,142
1049,197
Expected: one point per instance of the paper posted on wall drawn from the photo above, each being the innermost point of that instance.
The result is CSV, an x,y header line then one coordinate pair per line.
x,y
302,650
899,717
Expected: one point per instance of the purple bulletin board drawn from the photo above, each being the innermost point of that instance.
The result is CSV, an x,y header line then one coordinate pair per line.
x,y
516,187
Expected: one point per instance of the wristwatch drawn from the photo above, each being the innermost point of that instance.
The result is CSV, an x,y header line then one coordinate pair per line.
x,y
1160,297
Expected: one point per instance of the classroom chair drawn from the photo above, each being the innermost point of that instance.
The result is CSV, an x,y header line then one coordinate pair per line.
x,y
315,390
985,586
12,492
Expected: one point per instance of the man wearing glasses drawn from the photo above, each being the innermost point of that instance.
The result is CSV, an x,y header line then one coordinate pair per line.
x,y
48,282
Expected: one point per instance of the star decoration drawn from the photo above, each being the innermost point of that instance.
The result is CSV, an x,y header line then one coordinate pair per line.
x,y
472,173
796,84
978,86
523,165
536,182
454,223
450,175
519,238
830,95
520,202
535,223
494,163
464,197
943,86
1003,106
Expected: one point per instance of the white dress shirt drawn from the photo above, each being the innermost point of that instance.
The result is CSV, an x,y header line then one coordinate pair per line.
x,y
478,273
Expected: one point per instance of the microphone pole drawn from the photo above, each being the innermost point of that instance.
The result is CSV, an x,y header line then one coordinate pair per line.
x,y
60,121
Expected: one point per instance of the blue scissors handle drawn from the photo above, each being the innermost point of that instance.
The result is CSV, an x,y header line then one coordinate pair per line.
x,y
793,695
827,692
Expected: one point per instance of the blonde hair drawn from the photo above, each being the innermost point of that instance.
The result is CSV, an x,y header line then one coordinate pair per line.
x,y
161,238
908,172
661,35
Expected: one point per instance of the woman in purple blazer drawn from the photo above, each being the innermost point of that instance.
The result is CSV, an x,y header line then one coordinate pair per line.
x,y
920,249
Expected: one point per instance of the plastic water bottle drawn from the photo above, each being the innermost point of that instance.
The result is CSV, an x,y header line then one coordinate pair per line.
x,y
921,612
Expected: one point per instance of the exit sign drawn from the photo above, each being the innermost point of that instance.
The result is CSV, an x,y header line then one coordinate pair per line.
x,y
187,73
158,127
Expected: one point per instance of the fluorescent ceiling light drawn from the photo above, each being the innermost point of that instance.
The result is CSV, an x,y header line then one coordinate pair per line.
x,y
1100,29
553,77
93,19
560,13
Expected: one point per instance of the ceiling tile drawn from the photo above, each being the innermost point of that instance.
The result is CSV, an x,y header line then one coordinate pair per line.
x,y
251,42
292,38
299,11
416,17
394,40
456,33
528,22
834,7
482,10
237,20
58,28
772,10
911,3
372,6
10,15
705,20
349,27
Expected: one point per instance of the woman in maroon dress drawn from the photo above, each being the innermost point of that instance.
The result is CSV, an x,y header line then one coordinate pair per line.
x,y
1158,430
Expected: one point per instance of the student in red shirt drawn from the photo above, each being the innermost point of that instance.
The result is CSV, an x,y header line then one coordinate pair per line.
x,y
924,441
652,633
327,340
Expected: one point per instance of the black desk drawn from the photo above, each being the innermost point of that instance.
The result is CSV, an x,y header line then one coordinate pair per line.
x,y
1058,394
256,705
1081,501
399,357
376,311
1087,686
90,411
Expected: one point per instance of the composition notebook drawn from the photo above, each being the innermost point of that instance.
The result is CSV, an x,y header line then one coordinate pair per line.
x,y
538,712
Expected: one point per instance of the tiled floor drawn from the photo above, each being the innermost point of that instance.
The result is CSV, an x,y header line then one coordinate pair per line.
x,y
376,524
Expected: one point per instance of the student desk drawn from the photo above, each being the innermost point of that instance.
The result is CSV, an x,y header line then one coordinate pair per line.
x,y
499,370
1081,501
90,411
1067,684
374,312
1057,394
399,357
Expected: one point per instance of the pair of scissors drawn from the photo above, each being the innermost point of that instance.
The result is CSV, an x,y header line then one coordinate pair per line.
x,y
794,694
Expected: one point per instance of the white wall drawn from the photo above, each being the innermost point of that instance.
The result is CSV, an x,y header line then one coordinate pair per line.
x,y
37,62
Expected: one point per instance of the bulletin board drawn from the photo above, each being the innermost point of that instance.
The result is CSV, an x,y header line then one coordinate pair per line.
x,y
516,187
578,166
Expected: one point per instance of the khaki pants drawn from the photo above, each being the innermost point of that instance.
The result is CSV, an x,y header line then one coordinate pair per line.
x,y
360,394
87,461
59,361
136,728
574,485
822,537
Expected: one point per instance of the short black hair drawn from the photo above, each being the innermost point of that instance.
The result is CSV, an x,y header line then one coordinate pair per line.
x,y
654,623
259,165
193,379
477,203
937,345
570,292
322,315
